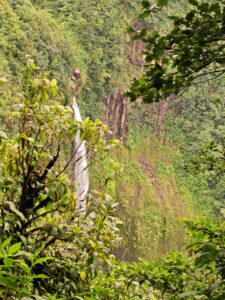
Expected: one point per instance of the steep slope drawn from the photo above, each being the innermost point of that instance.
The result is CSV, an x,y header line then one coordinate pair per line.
x,y
100,27
62,35
152,194
91,35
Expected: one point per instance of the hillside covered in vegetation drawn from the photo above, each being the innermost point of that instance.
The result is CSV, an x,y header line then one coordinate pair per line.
x,y
150,87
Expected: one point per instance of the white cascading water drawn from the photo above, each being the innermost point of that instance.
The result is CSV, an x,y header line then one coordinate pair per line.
x,y
80,166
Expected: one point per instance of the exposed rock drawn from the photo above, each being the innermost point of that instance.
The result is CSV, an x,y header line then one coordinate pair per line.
x,y
116,116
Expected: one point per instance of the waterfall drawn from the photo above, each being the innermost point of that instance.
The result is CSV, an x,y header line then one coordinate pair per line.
x,y
80,165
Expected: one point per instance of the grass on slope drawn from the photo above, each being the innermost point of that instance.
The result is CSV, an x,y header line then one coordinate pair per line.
x,y
152,198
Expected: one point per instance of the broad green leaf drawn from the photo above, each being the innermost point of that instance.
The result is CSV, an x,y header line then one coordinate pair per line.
x,y
35,276
145,14
161,3
130,29
193,2
8,282
41,260
8,262
5,243
24,253
40,276
23,239
24,267
14,248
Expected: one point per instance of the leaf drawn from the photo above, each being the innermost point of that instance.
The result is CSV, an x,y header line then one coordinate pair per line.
x,y
33,66
204,7
3,135
145,14
119,225
8,262
23,239
53,82
5,243
41,260
24,253
161,3
30,61
3,80
82,275
5,281
193,2
145,4
93,244
24,267
15,211
107,238
14,248
136,37
38,276
187,294
130,29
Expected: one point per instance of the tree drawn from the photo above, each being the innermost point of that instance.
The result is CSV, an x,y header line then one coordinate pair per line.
x,y
199,275
190,54
38,209
193,49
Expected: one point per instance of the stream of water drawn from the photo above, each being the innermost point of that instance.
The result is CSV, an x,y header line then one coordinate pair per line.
x,y
80,166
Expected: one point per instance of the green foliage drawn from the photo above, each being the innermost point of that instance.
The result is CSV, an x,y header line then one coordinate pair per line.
x,y
16,270
29,30
198,131
48,249
63,35
199,275
193,49
177,58
37,205
56,252
153,195
99,30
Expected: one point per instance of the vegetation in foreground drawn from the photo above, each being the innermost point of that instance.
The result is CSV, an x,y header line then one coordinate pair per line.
x,y
51,251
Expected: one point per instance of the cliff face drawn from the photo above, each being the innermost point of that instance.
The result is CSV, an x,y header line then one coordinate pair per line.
x,y
95,43
116,116
117,105
107,57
